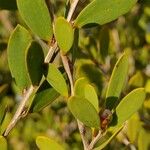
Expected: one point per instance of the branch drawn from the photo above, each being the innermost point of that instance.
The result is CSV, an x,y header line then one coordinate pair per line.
x,y
68,71
19,111
72,9
80,125
95,140
67,68
81,130
50,53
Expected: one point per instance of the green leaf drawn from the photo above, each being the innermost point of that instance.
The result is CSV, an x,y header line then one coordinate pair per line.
x,y
108,138
144,139
35,61
43,97
147,86
132,130
64,34
3,143
56,80
128,106
91,96
36,15
45,143
8,4
82,109
85,90
79,87
18,45
117,81
103,11
5,122
136,80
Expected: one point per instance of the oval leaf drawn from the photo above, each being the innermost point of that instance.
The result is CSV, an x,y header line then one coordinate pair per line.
x,y
18,44
36,15
136,80
85,90
144,139
56,80
132,130
82,109
117,81
3,143
64,34
5,122
91,96
79,87
45,143
35,61
103,11
129,105
43,97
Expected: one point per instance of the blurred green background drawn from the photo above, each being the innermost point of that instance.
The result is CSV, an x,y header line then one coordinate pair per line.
x,y
100,46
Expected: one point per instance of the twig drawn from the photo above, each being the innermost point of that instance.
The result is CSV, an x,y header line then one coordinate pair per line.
x,y
127,143
50,53
132,147
67,69
19,111
81,130
72,9
95,140
80,125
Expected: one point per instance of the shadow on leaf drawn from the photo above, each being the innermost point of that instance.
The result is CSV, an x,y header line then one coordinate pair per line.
x,y
111,102
93,74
